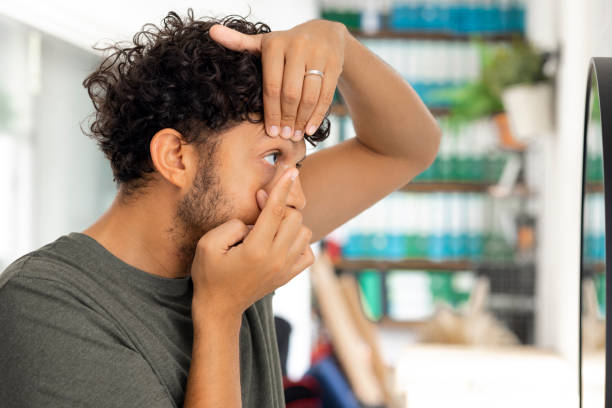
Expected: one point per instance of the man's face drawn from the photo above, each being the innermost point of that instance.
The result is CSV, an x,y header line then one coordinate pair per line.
x,y
245,161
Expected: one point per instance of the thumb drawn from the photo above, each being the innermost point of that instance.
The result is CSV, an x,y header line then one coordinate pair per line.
x,y
226,235
262,198
235,40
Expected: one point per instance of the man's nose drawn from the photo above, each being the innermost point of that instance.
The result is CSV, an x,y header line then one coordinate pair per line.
x,y
296,196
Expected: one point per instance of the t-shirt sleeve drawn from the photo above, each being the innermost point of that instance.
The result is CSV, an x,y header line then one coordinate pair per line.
x,y
57,351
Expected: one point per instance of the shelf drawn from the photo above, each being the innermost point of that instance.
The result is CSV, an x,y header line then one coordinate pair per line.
x,y
434,35
433,187
594,187
595,267
467,187
387,322
356,265
339,109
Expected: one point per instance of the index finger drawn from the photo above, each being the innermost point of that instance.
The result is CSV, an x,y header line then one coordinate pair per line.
x,y
269,220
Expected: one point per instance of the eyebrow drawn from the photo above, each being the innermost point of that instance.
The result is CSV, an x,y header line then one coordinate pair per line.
x,y
264,135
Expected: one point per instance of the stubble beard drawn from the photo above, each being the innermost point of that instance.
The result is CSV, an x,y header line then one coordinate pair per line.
x,y
203,208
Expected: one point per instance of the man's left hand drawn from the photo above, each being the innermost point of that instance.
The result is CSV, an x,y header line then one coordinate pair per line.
x,y
294,103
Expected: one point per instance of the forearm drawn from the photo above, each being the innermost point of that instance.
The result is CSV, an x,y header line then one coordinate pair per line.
x,y
214,374
388,115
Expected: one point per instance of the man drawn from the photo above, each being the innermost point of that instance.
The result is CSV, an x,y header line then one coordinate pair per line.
x,y
165,301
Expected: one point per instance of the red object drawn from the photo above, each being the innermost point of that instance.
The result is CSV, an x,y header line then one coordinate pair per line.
x,y
333,250
321,350
305,393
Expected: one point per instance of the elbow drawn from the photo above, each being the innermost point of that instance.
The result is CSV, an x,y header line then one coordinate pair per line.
x,y
434,139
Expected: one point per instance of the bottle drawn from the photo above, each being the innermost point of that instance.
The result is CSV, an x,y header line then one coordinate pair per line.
x,y
370,17
437,237
395,223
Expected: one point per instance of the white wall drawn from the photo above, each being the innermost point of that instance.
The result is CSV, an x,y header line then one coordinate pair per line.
x,y
71,176
583,31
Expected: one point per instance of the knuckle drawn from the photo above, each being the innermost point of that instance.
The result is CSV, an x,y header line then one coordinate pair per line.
x,y
272,41
299,124
310,256
291,96
272,90
307,232
278,265
303,37
328,96
316,119
295,215
288,119
203,244
273,117
279,210
255,255
309,100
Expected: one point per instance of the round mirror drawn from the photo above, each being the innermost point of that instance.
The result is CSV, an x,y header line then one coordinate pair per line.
x,y
593,252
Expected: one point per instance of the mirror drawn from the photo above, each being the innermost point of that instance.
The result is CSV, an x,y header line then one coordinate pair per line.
x,y
593,253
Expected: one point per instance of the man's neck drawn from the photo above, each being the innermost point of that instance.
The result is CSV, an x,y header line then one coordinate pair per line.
x,y
141,233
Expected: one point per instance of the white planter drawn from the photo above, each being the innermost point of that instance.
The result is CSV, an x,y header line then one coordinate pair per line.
x,y
529,109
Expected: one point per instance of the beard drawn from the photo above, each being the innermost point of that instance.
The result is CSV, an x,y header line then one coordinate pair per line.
x,y
203,208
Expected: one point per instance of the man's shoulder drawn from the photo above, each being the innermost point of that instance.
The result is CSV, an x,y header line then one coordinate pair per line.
x,y
50,262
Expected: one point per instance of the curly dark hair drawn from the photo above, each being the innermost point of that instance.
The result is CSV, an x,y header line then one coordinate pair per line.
x,y
174,76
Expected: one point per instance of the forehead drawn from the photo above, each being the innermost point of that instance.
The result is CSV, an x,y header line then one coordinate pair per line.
x,y
252,139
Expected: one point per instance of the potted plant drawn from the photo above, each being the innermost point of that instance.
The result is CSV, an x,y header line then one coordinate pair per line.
x,y
512,87
516,73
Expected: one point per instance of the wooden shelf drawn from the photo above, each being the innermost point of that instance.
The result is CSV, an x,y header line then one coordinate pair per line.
x,y
434,35
595,267
359,264
434,187
594,187
339,109
387,322
467,187
356,265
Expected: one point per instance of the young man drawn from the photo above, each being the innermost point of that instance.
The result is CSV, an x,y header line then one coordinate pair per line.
x,y
165,301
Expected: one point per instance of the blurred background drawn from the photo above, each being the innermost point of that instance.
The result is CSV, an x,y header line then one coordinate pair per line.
x,y
462,287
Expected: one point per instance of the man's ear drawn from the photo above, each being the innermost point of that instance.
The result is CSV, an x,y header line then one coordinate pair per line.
x,y
174,160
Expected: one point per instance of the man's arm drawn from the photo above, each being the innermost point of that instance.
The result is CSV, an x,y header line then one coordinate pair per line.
x,y
396,139
214,373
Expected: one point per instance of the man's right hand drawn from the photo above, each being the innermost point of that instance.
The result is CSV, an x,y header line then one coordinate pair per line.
x,y
228,278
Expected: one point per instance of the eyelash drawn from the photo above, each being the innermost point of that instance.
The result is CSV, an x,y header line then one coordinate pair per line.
x,y
278,154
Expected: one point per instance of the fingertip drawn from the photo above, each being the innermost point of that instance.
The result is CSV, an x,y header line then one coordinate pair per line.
x,y
273,131
311,129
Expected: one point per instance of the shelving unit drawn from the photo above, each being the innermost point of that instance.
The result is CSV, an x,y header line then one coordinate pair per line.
x,y
512,280
433,35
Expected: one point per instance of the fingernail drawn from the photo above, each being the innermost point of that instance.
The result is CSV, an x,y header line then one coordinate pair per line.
x,y
311,129
293,174
273,131
286,132
297,135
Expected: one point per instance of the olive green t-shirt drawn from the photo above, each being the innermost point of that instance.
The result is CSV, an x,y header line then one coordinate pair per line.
x,y
79,327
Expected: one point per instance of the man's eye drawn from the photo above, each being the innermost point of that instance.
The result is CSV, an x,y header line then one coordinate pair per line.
x,y
273,154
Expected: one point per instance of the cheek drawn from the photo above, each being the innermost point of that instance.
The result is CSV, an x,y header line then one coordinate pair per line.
x,y
243,195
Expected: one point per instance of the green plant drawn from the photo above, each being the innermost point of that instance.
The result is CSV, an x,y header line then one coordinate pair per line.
x,y
518,63
501,66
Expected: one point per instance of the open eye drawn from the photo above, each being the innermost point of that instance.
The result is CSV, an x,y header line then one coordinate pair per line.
x,y
275,158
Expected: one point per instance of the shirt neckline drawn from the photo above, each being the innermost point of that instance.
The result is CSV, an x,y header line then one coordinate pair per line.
x,y
172,286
